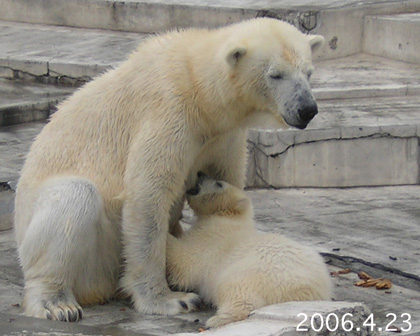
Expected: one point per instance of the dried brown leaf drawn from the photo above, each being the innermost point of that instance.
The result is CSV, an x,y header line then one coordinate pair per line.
x,y
384,284
368,283
364,276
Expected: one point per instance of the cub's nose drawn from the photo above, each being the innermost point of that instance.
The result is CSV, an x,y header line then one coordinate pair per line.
x,y
201,175
193,191
196,189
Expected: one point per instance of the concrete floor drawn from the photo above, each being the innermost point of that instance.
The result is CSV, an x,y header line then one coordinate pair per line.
x,y
332,220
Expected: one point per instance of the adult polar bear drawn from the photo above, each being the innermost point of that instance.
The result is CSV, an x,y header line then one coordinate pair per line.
x,y
106,178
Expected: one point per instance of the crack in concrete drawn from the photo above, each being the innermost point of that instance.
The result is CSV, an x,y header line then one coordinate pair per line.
x,y
259,175
255,148
46,77
4,186
50,59
375,135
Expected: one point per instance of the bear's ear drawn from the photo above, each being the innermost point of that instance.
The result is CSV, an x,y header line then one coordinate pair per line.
x,y
234,55
316,42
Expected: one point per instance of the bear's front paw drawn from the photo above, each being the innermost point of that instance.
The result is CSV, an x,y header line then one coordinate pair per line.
x,y
59,306
170,304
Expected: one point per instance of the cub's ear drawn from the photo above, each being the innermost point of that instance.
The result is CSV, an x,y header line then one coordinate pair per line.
x,y
242,205
234,55
316,42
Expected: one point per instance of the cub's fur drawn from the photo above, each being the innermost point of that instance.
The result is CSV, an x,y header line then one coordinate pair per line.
x,y
234,267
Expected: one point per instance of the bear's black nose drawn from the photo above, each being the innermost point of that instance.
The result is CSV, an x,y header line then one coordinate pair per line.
x,y
307,113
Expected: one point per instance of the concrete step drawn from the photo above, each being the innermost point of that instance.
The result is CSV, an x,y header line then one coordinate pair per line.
x,y
22,102
60,55
15,142
341,22
393,36
361,142
364,76
72,56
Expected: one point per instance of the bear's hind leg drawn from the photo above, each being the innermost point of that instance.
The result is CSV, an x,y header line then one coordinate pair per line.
x,y
66,254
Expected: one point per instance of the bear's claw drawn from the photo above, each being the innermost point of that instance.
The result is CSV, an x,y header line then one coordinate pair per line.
x,y
65,313
72,315
59,305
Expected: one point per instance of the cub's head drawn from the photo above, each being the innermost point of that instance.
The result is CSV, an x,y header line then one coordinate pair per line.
x,y
213,197
269,64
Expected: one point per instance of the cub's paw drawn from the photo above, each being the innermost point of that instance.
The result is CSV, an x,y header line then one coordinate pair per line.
x,y
217,321
172,303
226,317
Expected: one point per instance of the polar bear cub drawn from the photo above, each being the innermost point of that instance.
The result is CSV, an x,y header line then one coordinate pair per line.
x,y
234,267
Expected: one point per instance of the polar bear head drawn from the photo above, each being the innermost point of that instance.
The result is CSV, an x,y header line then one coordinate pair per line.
x,y
269,64
214,197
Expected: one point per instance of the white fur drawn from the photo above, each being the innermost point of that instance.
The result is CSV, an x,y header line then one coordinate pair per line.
x,y
105,179
236,268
